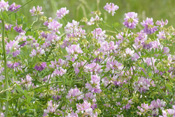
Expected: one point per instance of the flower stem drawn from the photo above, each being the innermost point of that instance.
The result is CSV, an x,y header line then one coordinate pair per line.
x,y
5,67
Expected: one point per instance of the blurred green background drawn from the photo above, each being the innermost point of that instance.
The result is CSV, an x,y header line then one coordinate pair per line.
x,y
158,9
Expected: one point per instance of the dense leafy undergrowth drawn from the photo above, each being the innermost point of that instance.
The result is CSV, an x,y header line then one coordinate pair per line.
x,y
85,68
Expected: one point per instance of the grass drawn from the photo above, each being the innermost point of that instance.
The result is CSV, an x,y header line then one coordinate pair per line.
x,y
158,9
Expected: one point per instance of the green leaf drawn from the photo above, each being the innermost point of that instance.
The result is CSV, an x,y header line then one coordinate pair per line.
x,y
13,17
4,15
22,111
169,87
19,89
20,43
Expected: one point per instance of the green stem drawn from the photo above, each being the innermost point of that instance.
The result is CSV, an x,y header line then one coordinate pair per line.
x,y
98,4
5,66
34,22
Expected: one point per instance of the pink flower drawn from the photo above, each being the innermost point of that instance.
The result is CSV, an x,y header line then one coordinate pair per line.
x,y
51,108
161,35
2,114
94,85
93,67
13,47
99,34
54,26
27,81
93,20
149,27
36,11
62,12
75,94
14,7
59,72
111,8
3,6
74,49
85,106
74,30
72,114
162,23
40,67
131,20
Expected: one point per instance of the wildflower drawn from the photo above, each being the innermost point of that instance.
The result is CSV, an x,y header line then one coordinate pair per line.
x,y
99,34
166,50
86,109
59,72
93,20
155,44
143,84
74,30
51,108
106,47
74,49
18,28
12,65
135,57
37,51
36,11
93,67
14,7
94,85
161,35
40,67
89,95
162,23
28,81
85,106
171,111
72,114
111,8
114,65
75,94
76,66
153,107
140,39
54,26
149,27
8,26
13,47
150,61
62,12
157,104
130,52
2,114
52,37
3,6
131,20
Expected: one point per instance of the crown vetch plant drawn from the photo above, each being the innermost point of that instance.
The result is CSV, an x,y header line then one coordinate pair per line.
x,y
57,68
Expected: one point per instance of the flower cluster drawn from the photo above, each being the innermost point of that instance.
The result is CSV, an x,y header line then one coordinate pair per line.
x,y
143,84
152,109
62,12
94,85
36,11
149,27
111,8
4,5
131,20
14,7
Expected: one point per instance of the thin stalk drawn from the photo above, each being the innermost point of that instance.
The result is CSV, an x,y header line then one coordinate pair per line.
x,y
98,4
5,67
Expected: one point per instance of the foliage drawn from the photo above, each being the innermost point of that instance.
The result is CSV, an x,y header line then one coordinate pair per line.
x,y
57,66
